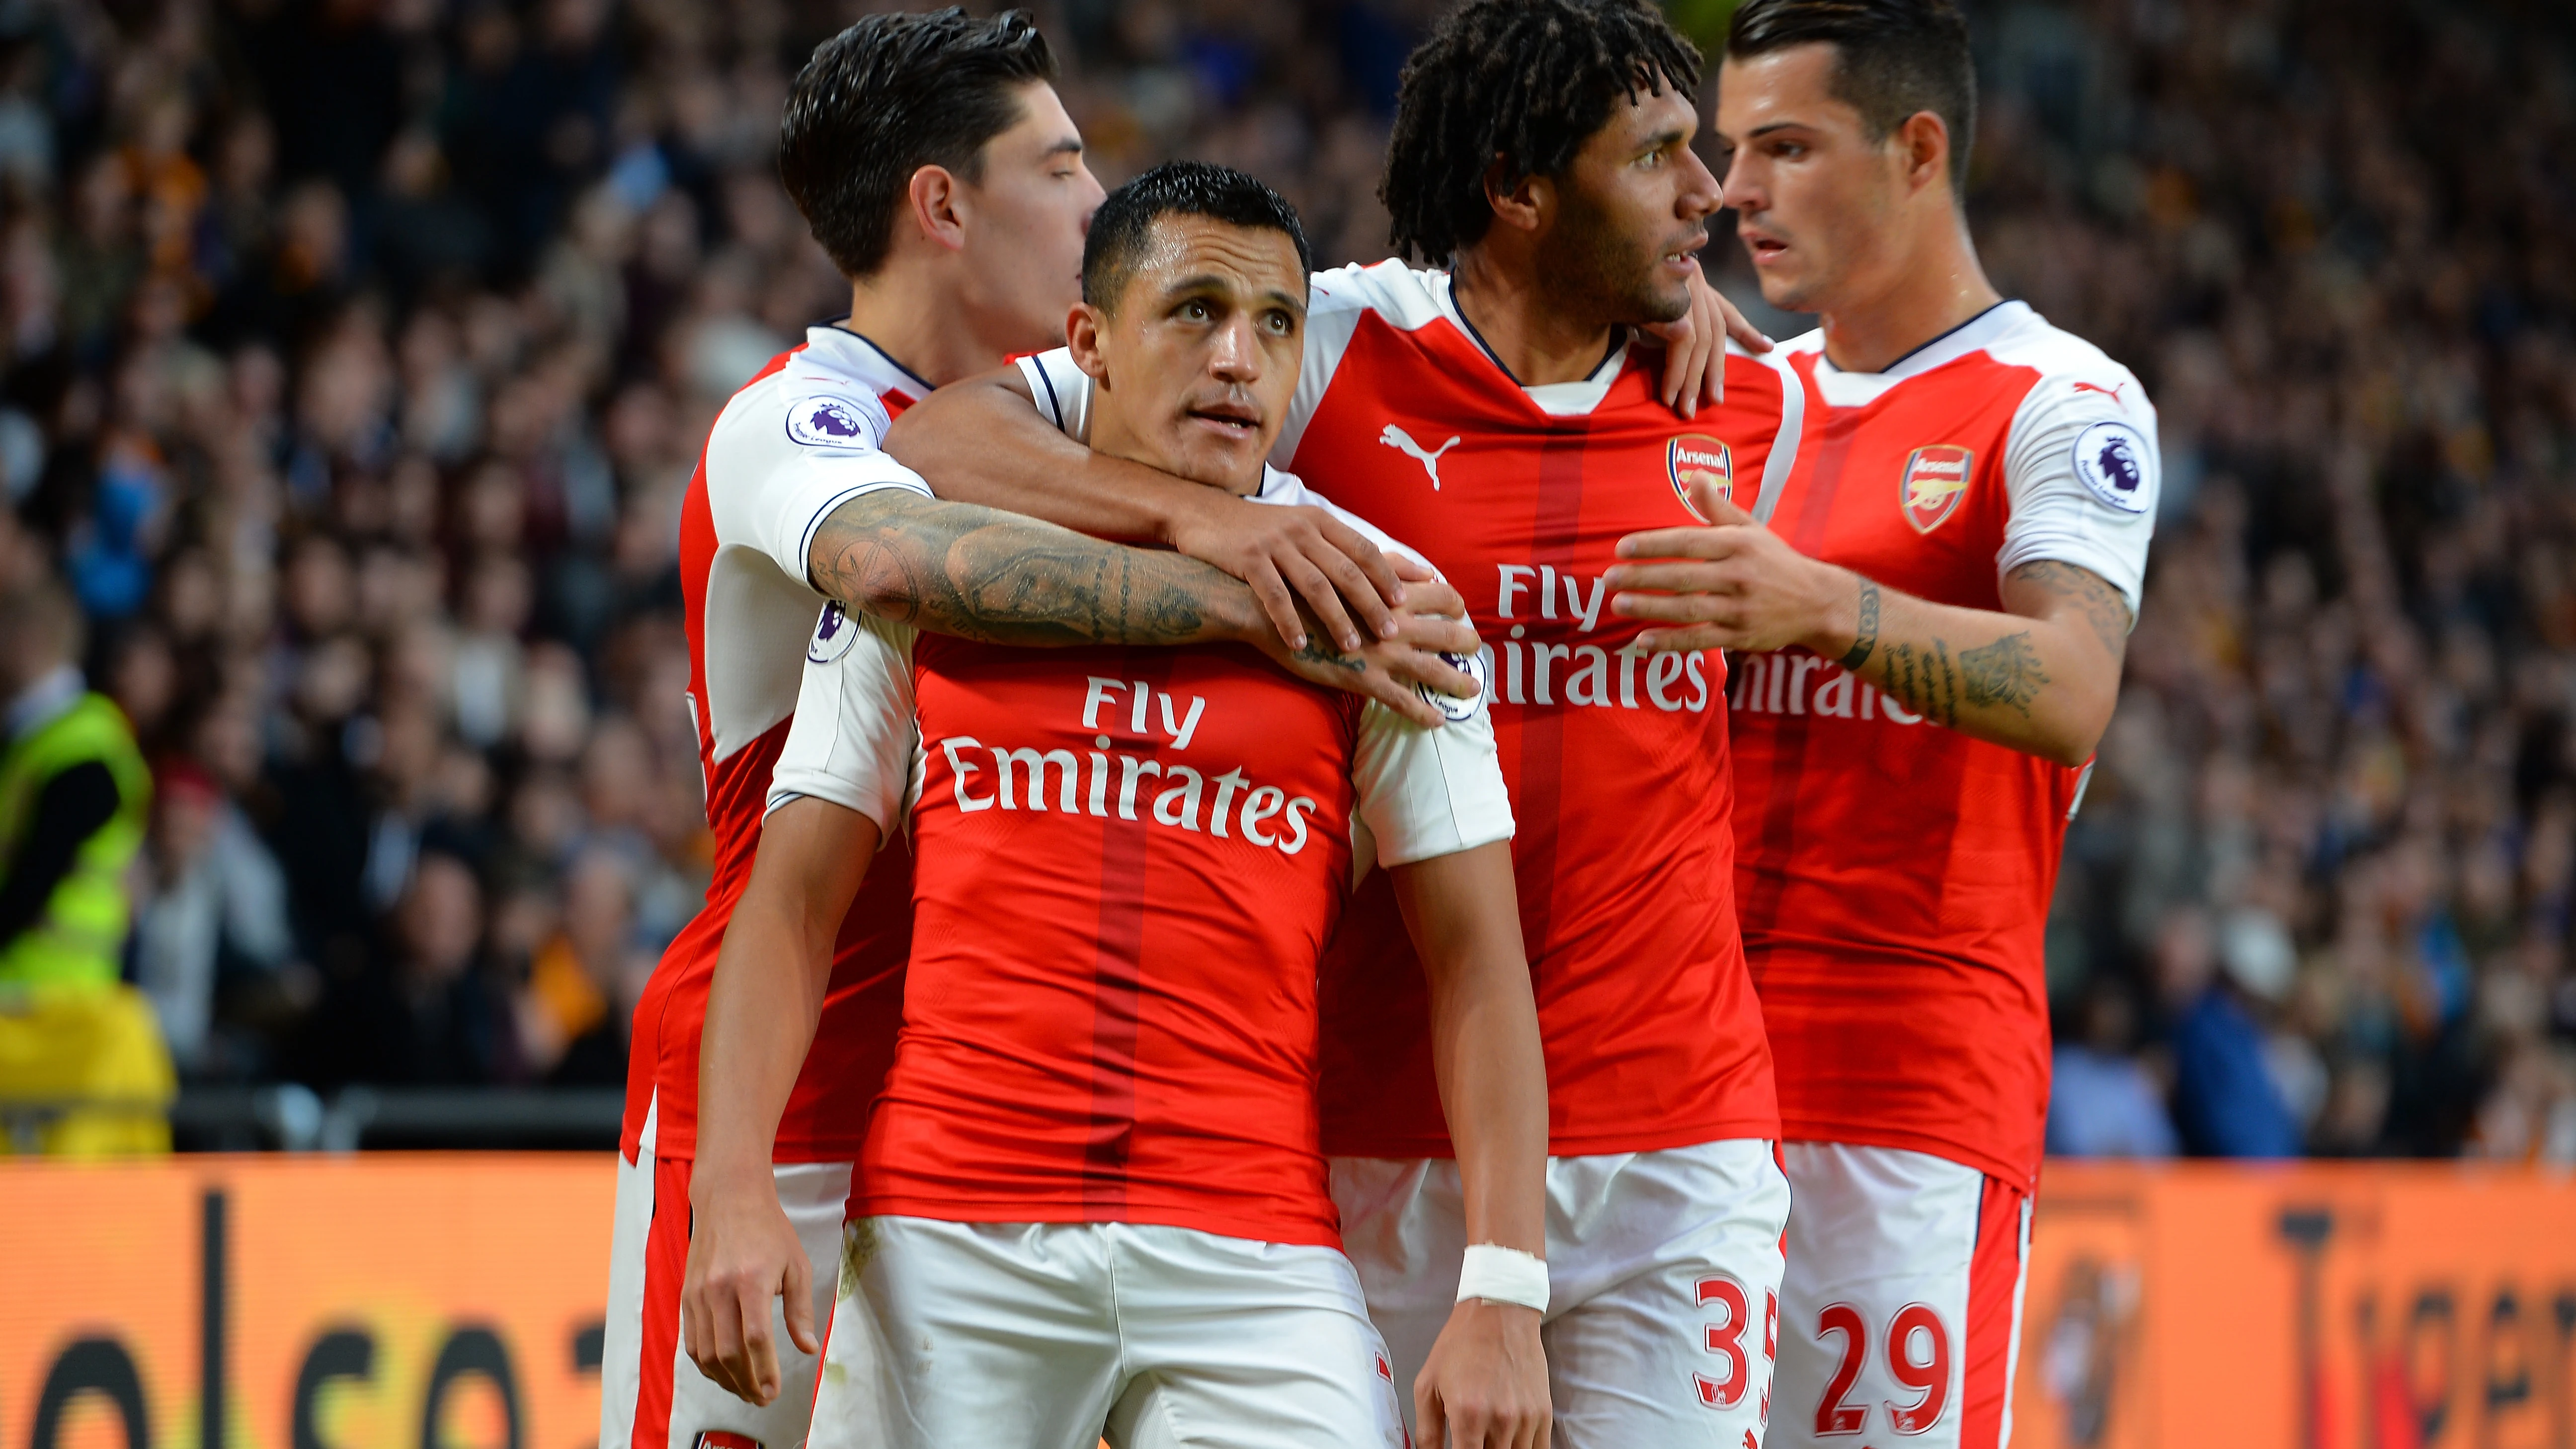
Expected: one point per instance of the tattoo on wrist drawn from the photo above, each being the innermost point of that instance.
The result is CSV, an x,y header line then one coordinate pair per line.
x,y
1865,633
1320,650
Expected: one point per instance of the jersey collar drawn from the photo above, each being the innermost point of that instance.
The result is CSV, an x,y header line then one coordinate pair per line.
x,y
856,355
1556,399
1858,389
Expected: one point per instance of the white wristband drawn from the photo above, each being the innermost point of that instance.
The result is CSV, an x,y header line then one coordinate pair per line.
x,y
1503,1275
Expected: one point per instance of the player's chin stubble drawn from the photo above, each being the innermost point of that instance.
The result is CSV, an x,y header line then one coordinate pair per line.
x,y
1606,274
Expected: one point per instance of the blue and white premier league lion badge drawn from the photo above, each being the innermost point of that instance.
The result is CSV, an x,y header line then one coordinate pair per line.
x,y
826,420
2117,466
1452,708
833,634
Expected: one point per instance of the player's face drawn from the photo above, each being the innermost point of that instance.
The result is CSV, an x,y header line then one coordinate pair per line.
x,y
1632,215
1028,211
1195,367
1816,199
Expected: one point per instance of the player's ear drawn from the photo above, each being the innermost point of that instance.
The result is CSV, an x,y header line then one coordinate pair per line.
x,y
1082,330
934,199
1922,142
1523,204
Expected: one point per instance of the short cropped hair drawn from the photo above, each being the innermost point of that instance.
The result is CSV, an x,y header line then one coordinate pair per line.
x,y
1124,224
1525,82
888,96
1892,59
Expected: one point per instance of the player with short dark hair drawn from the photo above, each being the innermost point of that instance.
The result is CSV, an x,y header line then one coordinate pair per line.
x,y
1092,1200
1944,591
1893,60
1500,413
937,88
963,230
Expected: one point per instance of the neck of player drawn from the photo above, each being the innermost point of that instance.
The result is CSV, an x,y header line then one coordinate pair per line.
x,y
935,334
1537,339
1922,291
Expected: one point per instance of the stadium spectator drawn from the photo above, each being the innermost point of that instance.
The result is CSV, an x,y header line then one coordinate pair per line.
x,y
451,292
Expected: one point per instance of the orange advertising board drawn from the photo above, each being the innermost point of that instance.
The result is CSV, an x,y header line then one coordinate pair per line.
x,y
453,1302
2342,1306
304,1303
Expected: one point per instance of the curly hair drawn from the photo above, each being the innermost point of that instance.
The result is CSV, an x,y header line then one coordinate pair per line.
x,y
1523,82
888,96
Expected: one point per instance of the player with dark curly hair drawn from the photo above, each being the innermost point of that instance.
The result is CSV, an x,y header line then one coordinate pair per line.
x,y
1501,410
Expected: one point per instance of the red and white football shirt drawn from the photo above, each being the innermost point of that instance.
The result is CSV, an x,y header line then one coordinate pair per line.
x,y
798,441
1128,862
1894,876
1617,760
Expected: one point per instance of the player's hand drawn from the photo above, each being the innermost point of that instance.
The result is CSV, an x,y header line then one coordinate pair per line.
x,y
1393,671
1732,585
743,1253
1485,1384
1695,347
1293,556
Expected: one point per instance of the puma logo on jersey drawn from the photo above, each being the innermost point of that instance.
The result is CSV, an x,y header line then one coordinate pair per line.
x,y
2113,393
1402,441
1933,481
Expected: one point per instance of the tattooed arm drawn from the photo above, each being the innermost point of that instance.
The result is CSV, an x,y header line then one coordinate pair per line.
x,y
979,573
2040,676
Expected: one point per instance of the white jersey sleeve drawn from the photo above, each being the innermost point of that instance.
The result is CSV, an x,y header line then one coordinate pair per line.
x,y
786,452
1428,792
854,738
2083,472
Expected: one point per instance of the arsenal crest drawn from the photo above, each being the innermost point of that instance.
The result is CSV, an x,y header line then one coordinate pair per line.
x,y
1935,480
1695,458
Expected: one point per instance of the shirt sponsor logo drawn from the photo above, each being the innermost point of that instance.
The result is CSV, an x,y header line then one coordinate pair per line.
x,y
1935,479
1805,684
833,634
1580,675
1694,459
1402,441
2116,466
826,421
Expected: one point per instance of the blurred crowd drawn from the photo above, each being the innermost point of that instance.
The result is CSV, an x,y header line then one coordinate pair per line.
x,y
2318,896
358,351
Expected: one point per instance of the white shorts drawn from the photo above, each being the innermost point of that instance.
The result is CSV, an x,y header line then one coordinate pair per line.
x,y
1901,1313
1663,1282
1056,1335
651,1396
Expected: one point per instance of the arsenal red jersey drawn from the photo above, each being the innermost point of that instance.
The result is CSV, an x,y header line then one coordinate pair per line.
x,y
1616,759
1894,876
799,440
1127,864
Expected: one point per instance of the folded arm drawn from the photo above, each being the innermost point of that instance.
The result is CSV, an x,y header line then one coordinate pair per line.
x,y
762,1006
2040,675
983,441
1486,1378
